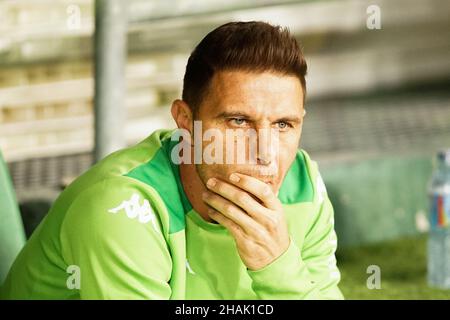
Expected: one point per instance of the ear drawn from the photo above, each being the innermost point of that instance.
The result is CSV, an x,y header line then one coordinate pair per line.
x,y
182,114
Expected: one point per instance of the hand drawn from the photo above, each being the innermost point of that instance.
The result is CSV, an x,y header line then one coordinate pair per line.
x,y
259,229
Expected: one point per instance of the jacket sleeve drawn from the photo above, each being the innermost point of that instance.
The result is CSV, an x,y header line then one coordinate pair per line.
x,y
113,241
309,272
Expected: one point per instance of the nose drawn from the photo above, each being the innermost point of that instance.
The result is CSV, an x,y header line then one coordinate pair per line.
x,y
267,147
266,160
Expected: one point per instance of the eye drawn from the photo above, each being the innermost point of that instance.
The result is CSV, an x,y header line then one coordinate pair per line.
x,y
283,125
238,121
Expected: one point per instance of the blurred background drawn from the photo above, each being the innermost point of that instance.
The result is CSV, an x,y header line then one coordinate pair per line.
x,y
378,109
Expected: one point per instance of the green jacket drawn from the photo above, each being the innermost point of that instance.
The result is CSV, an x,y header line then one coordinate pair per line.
x,y
126,230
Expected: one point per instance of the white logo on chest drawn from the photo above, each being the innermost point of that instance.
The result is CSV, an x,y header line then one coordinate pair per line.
x,y
188,266
134,209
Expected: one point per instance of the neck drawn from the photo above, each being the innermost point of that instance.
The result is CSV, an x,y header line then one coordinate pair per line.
x,y
194,188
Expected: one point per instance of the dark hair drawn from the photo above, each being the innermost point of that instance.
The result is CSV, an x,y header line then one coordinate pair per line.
x,y
250,46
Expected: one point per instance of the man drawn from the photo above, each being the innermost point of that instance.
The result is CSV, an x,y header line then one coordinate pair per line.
x,y
167,219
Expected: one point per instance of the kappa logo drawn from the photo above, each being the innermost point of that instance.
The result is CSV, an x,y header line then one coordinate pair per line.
x,y
133,209
188,266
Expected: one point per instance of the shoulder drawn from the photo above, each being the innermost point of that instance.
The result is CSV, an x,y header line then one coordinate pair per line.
x,y
118,205
315,176
109,183
126,160
303,181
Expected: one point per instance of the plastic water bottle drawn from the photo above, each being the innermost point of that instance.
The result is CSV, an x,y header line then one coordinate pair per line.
x,y
439,236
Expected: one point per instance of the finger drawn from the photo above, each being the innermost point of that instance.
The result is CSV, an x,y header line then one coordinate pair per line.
x,y
235,230
231,211
239,197
256,187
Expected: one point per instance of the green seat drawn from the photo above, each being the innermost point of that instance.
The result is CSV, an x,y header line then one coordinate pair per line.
x,y
12,234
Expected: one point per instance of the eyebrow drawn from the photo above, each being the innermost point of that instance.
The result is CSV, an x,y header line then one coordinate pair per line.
x,y
227,114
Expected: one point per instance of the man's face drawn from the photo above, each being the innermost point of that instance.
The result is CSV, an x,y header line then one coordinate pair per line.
x,y
258,101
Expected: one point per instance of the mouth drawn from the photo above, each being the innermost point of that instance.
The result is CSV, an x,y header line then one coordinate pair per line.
x,y
271,184
264,179
268,179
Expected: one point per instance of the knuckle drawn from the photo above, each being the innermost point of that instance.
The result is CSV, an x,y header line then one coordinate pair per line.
x,y
259,234
240,240
219,186
271,224
228,207
243,198
234,194
211,197
249,245
235,228
266,190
